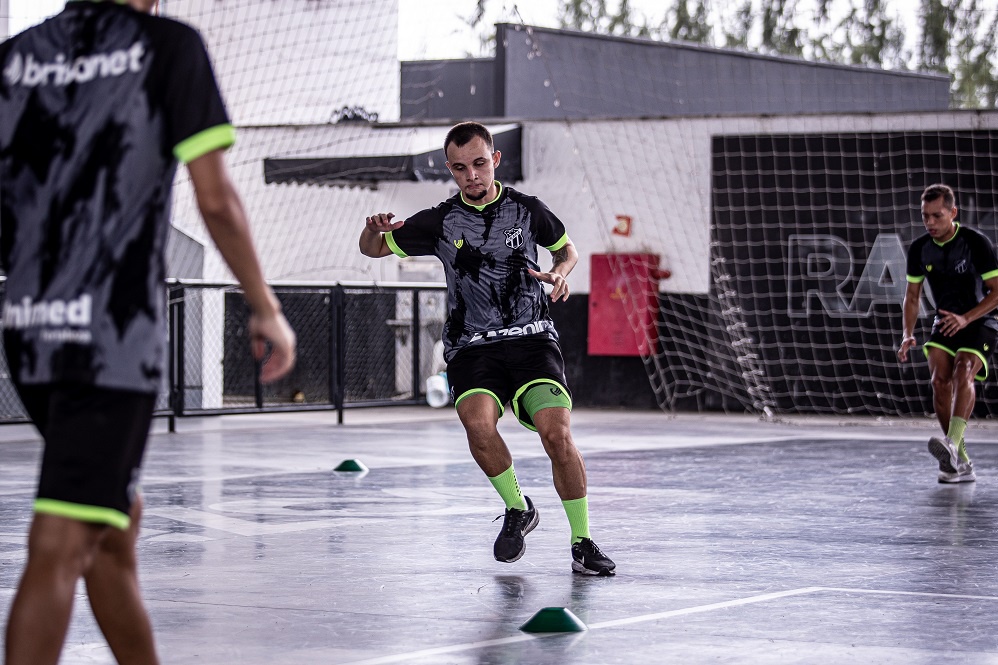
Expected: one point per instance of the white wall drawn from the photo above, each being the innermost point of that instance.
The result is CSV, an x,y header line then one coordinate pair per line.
x,y
4,19
656,171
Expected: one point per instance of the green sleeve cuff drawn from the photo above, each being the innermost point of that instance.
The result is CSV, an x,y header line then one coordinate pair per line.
x,y
915,279
396,250
558,245
989,275
213,138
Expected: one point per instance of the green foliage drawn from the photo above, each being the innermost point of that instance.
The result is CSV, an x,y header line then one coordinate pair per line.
x,y
973,57
596,16
867,34
780,34
683,24
936,21
738,26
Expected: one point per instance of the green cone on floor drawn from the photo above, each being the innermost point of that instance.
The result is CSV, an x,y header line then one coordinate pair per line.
x,y
553,620
351,465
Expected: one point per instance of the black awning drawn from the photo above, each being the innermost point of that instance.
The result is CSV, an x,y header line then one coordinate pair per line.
x,y
360,170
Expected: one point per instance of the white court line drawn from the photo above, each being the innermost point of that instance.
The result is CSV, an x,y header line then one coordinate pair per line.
x,y
888,592
705,608
398,658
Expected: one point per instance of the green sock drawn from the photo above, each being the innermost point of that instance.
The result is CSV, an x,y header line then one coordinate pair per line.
x,y
578,517
505,483
957,427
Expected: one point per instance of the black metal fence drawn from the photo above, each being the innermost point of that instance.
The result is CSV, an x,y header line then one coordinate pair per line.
x,y
359,344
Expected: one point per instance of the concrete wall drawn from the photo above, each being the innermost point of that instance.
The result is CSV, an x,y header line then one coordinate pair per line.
x,y
456,89
657,172
561,74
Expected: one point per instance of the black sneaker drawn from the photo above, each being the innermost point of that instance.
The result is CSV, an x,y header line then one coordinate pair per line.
x,y
510,545
589,560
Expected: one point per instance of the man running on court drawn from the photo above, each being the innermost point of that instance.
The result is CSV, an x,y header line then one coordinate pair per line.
x,y
962,270
97,107
500,344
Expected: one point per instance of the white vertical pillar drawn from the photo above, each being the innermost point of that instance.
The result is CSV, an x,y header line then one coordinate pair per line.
x,y
213,349
4,19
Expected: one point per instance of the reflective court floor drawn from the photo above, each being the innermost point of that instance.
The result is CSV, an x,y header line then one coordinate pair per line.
x,y
736,541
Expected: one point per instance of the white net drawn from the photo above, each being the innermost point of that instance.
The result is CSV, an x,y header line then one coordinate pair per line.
x,y
809,222
785,234
781,197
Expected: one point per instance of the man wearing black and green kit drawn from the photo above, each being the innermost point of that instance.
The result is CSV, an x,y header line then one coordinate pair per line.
x,y
98,105
960,265
500,344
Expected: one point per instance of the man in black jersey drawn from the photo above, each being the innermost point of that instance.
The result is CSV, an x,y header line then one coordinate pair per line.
x,y
500,344
98,105
962,270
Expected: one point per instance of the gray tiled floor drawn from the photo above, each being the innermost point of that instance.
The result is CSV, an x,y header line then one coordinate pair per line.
x,y
737,541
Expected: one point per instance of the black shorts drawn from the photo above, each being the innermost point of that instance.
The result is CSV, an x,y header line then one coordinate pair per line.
x,y
976,338
506,370
94,442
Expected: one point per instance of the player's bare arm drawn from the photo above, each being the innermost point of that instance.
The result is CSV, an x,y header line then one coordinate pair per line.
x,y
228,226
562,262
912,298
372,238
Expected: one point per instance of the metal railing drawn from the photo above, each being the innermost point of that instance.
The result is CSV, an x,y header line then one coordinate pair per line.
x,y
359,344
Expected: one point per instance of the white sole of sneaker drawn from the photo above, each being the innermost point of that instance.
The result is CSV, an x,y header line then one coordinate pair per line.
x,y
602,572
958,479
948,459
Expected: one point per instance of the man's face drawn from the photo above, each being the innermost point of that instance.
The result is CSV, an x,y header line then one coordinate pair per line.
x,y
938,219
473,166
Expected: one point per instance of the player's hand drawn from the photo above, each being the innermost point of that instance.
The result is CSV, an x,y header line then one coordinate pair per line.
x,y
950,323
560,284
276,331
382,222
907,344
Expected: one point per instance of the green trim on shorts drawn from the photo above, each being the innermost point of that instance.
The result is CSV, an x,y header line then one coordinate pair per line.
x,y
484,391
563,401
984,361
213,138
83,513
392,245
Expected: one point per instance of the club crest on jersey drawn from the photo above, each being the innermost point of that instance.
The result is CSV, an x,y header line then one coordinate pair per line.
x,y
459,243
961,267
514,238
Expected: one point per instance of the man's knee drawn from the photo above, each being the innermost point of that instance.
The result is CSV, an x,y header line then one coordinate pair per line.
x,y
942,382
557,437
63,543
964,371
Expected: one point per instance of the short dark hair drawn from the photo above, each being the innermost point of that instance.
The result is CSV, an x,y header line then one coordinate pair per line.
x,y
933,192
463,132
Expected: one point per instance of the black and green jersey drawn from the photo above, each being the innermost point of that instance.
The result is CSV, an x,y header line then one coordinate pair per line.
x,y
486,253
97,106
956,269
